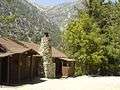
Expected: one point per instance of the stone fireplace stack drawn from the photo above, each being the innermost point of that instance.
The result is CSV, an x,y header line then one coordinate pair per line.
x,y
49,66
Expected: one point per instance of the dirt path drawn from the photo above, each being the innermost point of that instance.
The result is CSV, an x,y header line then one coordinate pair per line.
x,y
78,83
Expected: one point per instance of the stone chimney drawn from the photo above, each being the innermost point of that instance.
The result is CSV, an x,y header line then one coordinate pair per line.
x,y
49,66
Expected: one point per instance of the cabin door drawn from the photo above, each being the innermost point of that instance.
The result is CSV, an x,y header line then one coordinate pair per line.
x,y
58,69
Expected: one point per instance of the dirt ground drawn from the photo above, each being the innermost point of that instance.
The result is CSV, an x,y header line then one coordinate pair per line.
x,y
78,83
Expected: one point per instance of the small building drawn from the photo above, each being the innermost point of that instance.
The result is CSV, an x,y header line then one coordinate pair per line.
x,y
16,62
64,67
61,65
22,61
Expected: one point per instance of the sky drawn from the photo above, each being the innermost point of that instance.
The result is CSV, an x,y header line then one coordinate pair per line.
x,y
52,2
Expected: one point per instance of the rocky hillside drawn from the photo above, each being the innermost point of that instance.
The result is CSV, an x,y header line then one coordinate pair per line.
x,y
27,21
63,13
23,21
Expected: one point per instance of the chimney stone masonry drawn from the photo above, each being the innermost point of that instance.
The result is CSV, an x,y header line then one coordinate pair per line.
x,y
49,66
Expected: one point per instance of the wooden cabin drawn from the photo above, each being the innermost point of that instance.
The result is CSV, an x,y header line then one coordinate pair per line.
x,y
22,61
64,67
16,62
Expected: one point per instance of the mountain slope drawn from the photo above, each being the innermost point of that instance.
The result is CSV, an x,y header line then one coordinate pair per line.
x,y
63,13
28,22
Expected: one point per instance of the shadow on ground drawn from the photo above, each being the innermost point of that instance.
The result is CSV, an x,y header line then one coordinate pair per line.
x,y
34,81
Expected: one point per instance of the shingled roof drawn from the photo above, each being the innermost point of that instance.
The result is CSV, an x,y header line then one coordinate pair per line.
x,y
11,47
55,52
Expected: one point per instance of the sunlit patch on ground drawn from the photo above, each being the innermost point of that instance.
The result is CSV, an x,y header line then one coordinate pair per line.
x,y
78,83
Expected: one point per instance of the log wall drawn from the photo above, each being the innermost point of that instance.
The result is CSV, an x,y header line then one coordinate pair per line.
x,y
18,68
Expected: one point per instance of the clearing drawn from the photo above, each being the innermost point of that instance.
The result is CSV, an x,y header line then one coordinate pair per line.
x,y
78,83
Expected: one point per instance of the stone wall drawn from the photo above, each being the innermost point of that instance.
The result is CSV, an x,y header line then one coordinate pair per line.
x,y
49,66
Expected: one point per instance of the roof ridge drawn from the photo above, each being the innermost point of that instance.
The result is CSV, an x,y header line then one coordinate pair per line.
x,y
18,42
22,42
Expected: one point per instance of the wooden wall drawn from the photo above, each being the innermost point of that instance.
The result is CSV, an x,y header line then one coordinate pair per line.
x,y
25,67
0,70
68,69
13,69
4,70
39,69
20,68
64,68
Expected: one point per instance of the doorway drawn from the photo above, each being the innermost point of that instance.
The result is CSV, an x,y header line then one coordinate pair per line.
x,y
58,69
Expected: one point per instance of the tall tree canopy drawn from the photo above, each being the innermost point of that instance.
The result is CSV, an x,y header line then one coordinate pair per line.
x,y
93,39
